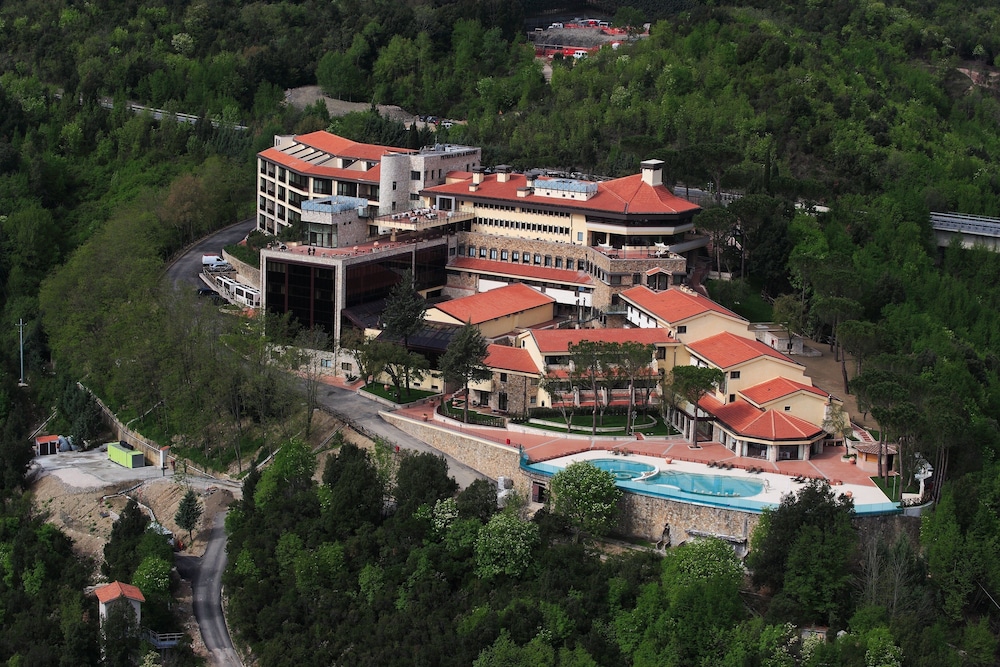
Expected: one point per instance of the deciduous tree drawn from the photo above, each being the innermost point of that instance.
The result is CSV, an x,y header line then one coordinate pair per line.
x,y
587,496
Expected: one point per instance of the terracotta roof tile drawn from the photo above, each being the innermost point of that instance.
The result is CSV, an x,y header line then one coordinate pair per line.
x,y
726,350
558,340
340,146
42,439
504,357
523,271
116,590
751,422
674,305
628,195
494,304
776,388
303,167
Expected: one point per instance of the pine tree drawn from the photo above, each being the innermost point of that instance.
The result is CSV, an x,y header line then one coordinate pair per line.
x,y
463,360
188,512
404,314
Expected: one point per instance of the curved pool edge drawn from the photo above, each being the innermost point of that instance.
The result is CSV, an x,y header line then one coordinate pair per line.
x,y
722,502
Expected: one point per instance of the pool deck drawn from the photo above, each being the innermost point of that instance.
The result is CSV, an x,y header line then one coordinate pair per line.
x,y
554,449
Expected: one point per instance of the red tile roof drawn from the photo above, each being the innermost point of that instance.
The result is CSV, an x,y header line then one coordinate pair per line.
x,y
629,195
674,305
558,340
303,167
116,590
337,145
42,439
779,387
523,271
494,304
751,422
508,358
726,350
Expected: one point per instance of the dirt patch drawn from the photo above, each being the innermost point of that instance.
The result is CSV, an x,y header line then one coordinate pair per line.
x,y
305,96
826,373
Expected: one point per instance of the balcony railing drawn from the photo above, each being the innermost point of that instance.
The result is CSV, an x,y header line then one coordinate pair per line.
x,y
422,218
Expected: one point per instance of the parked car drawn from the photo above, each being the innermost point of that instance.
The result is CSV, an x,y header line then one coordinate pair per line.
x,y
207,291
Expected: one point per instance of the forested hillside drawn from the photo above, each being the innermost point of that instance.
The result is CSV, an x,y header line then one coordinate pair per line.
x,y
878,111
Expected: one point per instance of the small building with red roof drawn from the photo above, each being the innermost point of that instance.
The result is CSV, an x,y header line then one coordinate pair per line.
x,y
496,312
685,313
46,445
796,398
513,387
745,361
118,593
768,434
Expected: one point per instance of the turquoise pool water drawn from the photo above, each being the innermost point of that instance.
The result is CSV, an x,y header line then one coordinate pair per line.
x,y
622,469
707,485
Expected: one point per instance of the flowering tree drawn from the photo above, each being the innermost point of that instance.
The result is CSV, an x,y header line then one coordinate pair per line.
x,y
587,497
504,546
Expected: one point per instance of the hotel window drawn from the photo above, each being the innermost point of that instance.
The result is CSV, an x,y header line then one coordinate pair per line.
x,y
394,185
636,278
734,375
525,258
503,377
461,250
504,255
516,256
414,196
682,329
579,236
559,262
569,263
616,279
538,259
414,175
493,253
788,408
482,252
732,398
472,251
661,353
548,260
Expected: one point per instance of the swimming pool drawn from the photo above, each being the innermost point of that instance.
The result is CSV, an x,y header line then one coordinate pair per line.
x,y
707,485
624,470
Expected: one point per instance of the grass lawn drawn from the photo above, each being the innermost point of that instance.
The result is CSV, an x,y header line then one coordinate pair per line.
x,y
894,484
661,428
378,389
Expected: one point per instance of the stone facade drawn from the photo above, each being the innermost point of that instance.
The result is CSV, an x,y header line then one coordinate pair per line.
x,y
671,522
521,391
249,275
489,458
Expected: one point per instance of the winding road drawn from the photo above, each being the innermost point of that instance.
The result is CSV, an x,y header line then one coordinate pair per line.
x,y
205,575
205,572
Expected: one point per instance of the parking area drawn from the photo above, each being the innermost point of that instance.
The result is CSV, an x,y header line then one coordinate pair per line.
x,y
91,470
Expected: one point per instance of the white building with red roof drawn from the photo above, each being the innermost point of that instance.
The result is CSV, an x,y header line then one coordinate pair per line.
x,y
320,164
118,593
682,311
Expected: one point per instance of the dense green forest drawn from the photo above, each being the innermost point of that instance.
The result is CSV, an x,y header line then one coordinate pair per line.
x,y
879,111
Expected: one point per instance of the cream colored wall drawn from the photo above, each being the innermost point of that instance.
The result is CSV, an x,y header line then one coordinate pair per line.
x,y
761,370
712,323
810,407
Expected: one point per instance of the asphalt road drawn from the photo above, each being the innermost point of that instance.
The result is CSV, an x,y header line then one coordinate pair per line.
x,y
185,271
354,409
205,575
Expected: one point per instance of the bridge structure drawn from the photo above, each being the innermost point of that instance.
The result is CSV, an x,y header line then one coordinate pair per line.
x,y
969,230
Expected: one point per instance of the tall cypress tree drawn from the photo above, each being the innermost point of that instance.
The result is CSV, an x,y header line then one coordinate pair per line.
x,y
404,313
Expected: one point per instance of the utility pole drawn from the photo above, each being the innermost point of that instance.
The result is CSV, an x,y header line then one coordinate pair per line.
x,y
20,327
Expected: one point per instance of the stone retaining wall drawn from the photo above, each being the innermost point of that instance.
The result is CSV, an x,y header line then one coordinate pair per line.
x,y
657,519
491,459
248,273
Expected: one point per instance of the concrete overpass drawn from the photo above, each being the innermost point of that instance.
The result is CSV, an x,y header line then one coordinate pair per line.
x,y
969,230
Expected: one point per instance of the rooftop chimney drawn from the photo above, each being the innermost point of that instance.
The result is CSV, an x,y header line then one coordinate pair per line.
x,y
652,172
478,174
503,173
